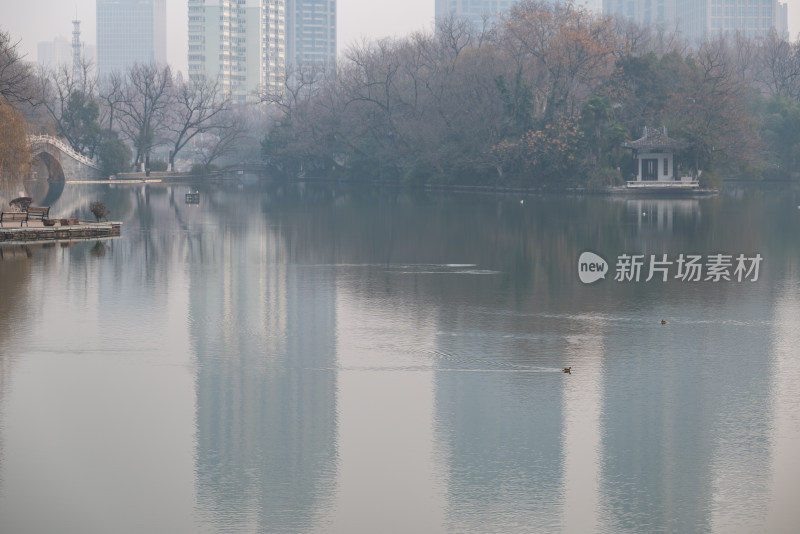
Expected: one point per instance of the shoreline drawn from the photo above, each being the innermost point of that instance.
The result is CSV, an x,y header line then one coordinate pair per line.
x,y
195,180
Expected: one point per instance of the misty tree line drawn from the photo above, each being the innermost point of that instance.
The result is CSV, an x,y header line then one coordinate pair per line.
x,y
547,95
125,116
119,120
544,96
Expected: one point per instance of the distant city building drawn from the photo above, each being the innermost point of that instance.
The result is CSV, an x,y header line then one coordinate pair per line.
x,y
55,53
782,20
274,54
60,52
130,31
311,32
247,44
477,11
643,11
229,42
701,19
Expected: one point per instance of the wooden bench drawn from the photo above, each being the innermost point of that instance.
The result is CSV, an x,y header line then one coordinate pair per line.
x,y
37,214
33,213
13,216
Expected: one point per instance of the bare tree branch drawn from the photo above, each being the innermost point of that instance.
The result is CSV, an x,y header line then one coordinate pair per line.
x,y
16,78
195,106
145,107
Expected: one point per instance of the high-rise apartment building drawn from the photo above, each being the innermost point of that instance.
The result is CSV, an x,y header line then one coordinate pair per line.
x,y
754,18
782,20
701,19
477,11
130,31
311,33
247,44
230,41
274,53
642,11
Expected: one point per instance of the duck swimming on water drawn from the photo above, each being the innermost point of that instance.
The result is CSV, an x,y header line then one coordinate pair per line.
x,y
567,370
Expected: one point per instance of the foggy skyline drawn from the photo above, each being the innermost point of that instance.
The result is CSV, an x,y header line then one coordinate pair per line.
x,y
371,19
357,18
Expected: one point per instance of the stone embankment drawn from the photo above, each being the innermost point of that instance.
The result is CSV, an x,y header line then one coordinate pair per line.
x,y
63,230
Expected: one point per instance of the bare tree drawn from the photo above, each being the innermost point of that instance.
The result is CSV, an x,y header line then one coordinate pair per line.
x,y
15,75
299,86
780,66
195,106
456,33
112,96
372,74
745,51
300,117
226,129
70,100
144,108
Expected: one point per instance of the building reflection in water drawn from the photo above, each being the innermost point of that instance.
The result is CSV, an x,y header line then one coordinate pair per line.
x,y
339,389
15,270
266,408
499,421
582,430
390,479
683,427
784,514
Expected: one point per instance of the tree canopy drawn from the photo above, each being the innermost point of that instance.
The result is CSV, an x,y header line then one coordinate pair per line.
x,y
546,96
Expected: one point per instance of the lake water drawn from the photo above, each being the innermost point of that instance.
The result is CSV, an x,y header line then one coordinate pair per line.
x,y
337,360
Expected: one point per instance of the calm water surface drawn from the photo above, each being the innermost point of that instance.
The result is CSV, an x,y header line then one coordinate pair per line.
x,y
329,360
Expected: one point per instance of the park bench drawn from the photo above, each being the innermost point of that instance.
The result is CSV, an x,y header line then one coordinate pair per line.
x,y
33,213
37,214
13,216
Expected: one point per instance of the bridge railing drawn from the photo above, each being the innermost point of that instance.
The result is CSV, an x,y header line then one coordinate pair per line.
x,y
63,147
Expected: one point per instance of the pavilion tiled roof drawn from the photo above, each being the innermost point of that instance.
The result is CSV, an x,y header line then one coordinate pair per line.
x,y
653,138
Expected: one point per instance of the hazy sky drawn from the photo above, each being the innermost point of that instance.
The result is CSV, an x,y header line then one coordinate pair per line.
x,y
31,21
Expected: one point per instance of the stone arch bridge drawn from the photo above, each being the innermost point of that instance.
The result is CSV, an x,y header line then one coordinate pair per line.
x,y
59,162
